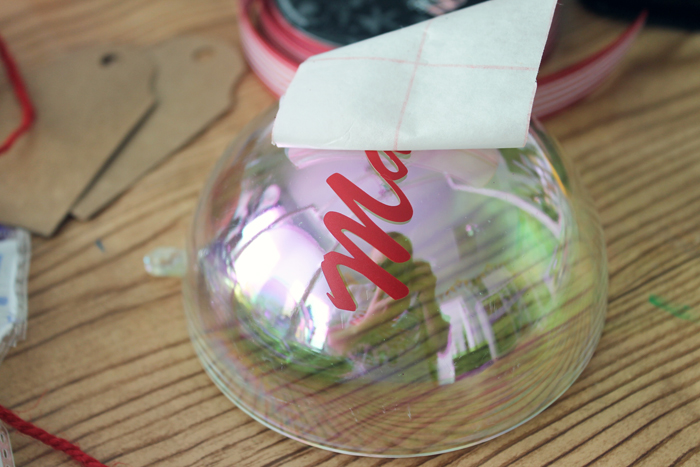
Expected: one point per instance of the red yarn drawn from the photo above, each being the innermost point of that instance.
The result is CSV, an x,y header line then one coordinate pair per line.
x,y
22,96
55,442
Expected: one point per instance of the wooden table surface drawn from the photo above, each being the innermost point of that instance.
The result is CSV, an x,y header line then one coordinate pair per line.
x,y
108,363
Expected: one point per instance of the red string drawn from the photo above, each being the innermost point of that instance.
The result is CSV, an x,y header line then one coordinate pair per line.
x,y
47,438
22,96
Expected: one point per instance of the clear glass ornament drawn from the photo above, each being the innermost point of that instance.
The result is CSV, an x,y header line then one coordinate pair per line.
x,y
387,304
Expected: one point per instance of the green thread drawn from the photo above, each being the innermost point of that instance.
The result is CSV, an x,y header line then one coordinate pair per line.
x,y
681,312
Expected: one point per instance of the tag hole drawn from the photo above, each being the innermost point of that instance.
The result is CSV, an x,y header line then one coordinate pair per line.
x,y
2,437
4,453
108,58
203,54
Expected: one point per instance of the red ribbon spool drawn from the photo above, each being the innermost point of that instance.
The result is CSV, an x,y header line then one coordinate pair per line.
x,y
275,49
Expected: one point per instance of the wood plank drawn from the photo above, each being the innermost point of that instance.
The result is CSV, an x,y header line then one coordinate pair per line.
x,y
107,361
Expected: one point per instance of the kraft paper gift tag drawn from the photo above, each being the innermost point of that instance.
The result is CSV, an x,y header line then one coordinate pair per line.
x,y
86,103
193,88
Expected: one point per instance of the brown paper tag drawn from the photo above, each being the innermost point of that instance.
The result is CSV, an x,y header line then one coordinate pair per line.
x,y
86,103
193,88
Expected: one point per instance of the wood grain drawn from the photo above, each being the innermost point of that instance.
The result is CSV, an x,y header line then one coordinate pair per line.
x,y
108,363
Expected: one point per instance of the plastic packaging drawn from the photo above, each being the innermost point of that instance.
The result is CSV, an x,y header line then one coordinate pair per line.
x,y
15,250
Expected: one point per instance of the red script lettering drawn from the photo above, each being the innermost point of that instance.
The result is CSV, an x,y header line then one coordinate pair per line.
x,y
356,199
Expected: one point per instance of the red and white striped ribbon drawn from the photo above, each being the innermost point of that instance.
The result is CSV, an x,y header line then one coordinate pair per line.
x,y
274,69
563,88
275,49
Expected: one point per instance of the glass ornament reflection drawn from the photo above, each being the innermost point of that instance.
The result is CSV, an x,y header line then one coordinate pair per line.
x,y
394,304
